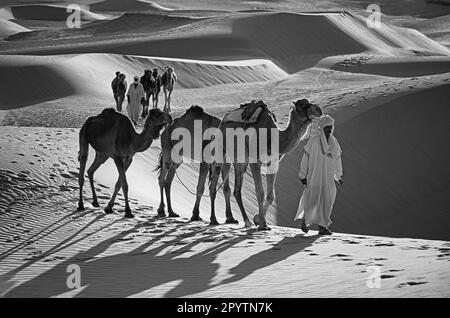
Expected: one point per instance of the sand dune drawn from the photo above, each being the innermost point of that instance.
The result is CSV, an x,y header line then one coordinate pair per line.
x,y
437,28
128,23
8,28
388,89
388,65
92,74
396,172
49,12
293,41
128,5
152,257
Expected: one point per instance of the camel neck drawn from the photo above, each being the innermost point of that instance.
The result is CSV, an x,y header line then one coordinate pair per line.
x,y
144,140
290,137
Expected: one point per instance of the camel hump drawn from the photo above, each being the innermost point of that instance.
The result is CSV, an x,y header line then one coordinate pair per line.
x,y
108,111
195,109
253,108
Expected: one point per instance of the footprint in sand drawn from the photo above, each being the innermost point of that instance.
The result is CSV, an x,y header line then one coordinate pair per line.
x,y
410,284
395,270
339,255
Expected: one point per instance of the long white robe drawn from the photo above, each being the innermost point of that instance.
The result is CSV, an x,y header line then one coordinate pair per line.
x,y
134,107
320,170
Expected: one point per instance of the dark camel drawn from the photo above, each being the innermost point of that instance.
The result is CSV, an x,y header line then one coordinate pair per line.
x,y
112,135
167,167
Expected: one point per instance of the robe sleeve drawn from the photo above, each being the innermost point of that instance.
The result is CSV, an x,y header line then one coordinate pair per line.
x,y
338,164
305,159
304,166
129,88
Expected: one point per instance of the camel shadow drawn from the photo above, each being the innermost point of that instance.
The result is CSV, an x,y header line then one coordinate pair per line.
x,y
127,274
277,253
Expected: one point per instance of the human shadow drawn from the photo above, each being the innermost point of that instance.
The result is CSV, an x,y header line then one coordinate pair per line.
x,y
131,273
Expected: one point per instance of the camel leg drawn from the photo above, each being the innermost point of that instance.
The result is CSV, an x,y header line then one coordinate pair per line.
x,y
239,170
167,186
227,194
108,209
168,100
83,159
120,167
200,189
162,179
165,99
98,161
213,191
270,182
256,172
156,98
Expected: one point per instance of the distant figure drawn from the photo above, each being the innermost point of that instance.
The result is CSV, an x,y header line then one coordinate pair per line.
x,y
136,98
321,165
121,90
145,81
114,83
168,80
155,87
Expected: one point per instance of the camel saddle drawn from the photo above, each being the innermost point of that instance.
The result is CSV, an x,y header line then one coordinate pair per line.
x,y
246,113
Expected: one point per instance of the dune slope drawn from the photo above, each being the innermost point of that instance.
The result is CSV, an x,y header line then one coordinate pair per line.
x,y
396,180
91,74
292,41
8,28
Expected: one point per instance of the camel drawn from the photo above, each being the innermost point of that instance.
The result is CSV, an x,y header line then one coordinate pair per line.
x,y
168,80
300,117
112,135
167,167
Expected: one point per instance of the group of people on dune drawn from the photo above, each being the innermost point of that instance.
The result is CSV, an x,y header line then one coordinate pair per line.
x,y
139,92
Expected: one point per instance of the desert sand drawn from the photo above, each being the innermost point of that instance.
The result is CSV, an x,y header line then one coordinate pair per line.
x,y
387,88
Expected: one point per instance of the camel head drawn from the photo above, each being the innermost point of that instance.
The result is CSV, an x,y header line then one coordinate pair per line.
x,y
305,110
157,119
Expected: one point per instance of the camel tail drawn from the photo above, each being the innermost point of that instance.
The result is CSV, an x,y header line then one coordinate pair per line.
x,y
160,163
84,142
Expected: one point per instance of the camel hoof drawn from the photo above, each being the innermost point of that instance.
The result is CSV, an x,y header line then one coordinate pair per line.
x,y
161,210
128,215
173,215
248,224
264,228
232,221
213,222
95,204
195,218
80,207
108,210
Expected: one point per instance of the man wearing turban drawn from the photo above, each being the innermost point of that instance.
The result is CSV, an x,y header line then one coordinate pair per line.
x,y
321,166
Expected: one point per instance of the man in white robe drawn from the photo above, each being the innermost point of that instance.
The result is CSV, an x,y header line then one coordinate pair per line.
x,y
136,98
321,166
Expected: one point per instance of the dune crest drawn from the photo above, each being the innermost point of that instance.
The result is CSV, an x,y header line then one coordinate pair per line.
x,y
8,28
49,13
128,5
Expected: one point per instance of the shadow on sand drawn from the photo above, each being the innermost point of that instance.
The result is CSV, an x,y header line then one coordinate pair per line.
x,y
140,269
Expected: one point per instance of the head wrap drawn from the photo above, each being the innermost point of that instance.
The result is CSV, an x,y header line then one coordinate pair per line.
x,y
326,120
329,147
